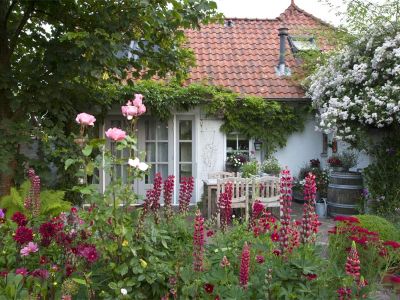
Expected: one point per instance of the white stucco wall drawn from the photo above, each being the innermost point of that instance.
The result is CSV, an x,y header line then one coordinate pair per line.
x,y
301,147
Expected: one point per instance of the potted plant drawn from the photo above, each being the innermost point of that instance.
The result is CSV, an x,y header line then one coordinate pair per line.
x,y
234,161
249,169
335,163
271,166
349,160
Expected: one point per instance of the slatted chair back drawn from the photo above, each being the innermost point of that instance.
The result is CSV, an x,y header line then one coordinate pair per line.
x,y
240,193
267,190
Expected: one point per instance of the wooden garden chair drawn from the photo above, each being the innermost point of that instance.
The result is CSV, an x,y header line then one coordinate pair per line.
x,y
267,190
219,175
240,194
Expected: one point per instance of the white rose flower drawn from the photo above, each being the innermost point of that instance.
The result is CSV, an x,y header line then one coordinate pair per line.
x,y
124,292
143,166
134,162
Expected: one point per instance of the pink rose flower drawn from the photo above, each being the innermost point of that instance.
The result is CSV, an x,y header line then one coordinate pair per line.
x,y
30,248
85,119
129,111
138,101
115,134
141,109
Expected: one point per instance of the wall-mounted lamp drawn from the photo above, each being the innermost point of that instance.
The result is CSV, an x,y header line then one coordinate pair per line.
x,y
257,145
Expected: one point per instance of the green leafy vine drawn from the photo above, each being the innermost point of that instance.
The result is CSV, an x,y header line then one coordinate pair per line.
x,y
255,117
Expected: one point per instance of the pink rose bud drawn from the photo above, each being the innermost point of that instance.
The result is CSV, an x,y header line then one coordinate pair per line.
x,y
85,119
115,134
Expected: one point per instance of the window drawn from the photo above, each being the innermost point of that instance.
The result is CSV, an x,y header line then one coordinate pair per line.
x,y
156,145
185,142
324,144
302,43
237,143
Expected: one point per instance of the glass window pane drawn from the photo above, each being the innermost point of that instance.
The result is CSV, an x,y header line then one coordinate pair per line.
x,y
150,152
163,169
243,144
185,130
185,170
162,131
185,151
150,130
150,177
116,123
162,152
118,171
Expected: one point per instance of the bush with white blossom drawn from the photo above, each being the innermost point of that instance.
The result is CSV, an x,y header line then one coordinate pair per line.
x,y
360,86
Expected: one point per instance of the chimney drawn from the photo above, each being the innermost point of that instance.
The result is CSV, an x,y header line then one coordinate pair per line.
x,y
283,33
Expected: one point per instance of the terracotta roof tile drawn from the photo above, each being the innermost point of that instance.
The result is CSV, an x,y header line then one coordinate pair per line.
x,y
243,57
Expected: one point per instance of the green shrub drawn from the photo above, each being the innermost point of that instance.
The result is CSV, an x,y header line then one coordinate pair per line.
x,y
387,231
249,169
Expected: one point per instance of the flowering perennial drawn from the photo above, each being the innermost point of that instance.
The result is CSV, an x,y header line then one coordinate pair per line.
x,y
309,223
225,205
168,193
198,242
185,194
244,266
353,263
134,107
285,207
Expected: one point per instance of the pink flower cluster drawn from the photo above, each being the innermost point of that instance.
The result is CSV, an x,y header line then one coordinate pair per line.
x,y
85,119
32,201
225,205
30,248
310,223
168,193
134,107
353,263
285,206
244,266
185,194
198,242
116,134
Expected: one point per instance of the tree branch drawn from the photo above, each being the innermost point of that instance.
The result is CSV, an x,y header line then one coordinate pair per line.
x,y
9,11
21,25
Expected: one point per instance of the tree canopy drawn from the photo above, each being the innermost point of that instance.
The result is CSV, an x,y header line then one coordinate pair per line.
x,y
56,57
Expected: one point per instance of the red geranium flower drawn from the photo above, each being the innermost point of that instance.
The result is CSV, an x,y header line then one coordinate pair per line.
x,y
393,244
19,218
275,236
23,235
395,278
310,276
349,219
209,288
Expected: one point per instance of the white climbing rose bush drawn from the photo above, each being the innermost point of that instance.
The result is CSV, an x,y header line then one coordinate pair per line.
x,y
360,86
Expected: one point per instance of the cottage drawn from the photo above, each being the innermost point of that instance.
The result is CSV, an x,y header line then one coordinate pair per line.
x,y
251,57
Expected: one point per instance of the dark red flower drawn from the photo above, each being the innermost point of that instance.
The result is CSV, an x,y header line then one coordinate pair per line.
x,y
395,278
217,298
21,271
3,273
48,230
260,259
349,219
344,293
40,273
89,252
244,266
19,218
23,235
69,269
310,276
392,244
277,252
209,288
275,236
210,233
43,260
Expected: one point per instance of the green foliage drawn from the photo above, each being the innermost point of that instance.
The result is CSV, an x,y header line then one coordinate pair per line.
x,y
52,203
249,169
382,175
387,231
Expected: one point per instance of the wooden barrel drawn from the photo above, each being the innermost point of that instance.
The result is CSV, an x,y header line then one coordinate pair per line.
x,y
344,190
